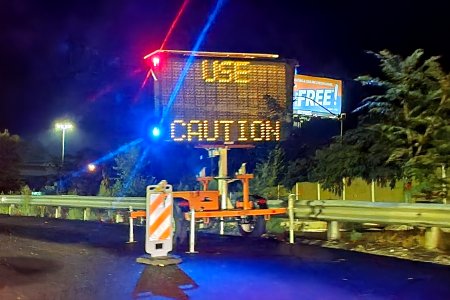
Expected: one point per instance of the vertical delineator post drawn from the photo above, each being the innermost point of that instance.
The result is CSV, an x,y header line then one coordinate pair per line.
x,y
192,232
372,190
344,183
444,185
131,227
318,191
291,218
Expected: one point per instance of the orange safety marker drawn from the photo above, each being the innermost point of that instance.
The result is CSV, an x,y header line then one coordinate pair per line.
x,y
158,237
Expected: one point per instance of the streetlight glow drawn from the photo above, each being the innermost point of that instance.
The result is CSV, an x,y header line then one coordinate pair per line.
x,y
63,126
91,167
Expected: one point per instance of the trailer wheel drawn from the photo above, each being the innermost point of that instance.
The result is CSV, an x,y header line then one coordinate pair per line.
x,y
253,226
180,227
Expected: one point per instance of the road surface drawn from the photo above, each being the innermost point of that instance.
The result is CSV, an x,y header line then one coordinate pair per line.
x,y
62,259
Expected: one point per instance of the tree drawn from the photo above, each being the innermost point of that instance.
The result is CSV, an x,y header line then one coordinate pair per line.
x,y
413,115
269,173
10,161
360,153
297,171
131,178
404,130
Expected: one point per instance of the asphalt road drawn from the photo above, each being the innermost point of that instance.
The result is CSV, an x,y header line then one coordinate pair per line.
x,y
61,259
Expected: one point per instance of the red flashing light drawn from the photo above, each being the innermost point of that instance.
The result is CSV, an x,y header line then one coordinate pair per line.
x,y
155,61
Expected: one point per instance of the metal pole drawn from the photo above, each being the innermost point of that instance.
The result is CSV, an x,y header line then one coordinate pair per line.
x,y
341,117
223,184
296,191
192,233
291,218
63,141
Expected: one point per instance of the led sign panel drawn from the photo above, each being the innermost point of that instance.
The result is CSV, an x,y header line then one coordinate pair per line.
x,y
317,96
224,97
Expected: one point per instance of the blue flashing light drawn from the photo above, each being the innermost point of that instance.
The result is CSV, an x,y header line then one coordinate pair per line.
x,y
156,132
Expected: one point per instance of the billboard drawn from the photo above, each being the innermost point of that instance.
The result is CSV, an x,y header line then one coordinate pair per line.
x,y
224,97
317,96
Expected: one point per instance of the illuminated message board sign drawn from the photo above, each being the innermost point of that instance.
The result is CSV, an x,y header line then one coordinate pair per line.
x,y
317,96
222,97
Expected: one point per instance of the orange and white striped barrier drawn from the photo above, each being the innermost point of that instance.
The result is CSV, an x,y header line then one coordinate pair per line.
x,y
158,237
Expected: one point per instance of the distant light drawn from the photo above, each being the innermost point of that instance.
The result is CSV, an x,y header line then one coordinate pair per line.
x,y
155,61
156,132
91,167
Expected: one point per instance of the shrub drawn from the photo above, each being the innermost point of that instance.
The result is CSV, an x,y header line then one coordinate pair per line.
x,y
75,214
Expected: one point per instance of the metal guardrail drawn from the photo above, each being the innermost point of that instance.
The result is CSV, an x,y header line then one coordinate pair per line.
x,y
428,215
277,203
91,201
77,201
319,210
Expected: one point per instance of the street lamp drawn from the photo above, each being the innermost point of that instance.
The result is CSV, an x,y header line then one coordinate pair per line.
x,y
63,126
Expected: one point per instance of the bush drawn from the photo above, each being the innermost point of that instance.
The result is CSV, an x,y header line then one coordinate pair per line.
x,y
75,214
26,209
4,209
274,225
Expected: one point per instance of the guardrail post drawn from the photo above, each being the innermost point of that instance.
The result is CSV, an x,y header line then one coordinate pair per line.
x,y
86,213
192,233
333,232
10,209
130,222
432,237
58,212
291,218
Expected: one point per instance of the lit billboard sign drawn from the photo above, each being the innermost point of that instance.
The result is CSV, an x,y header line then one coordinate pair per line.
x,y
224,97
317,96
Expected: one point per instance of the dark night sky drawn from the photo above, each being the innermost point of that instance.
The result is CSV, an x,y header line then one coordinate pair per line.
x,y
82,59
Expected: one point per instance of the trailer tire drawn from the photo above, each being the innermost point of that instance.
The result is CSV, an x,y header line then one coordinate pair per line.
x,y
255,227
